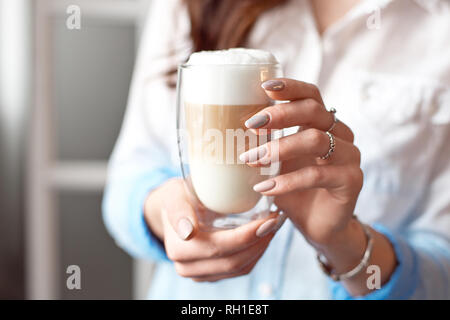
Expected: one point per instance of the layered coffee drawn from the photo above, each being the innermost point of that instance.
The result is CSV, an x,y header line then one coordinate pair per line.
x,y
222,89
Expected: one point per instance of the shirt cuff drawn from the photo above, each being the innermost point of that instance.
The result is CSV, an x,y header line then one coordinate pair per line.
x,y
141,234
403,281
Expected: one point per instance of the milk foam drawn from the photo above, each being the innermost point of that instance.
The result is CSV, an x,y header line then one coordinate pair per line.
x,y
228,77
232,56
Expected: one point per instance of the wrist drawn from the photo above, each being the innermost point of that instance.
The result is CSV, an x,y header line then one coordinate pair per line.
x,y
350,250
345,248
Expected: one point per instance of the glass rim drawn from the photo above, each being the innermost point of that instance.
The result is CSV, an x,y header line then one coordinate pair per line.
x,y
188,65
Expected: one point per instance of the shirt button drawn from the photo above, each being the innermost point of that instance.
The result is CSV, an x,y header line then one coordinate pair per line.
x,y
265,290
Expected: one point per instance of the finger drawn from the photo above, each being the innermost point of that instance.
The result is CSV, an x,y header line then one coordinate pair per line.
x,y
222,266
328,177
246,270
307,113
310,142
290,89
243,272
180,213
222,243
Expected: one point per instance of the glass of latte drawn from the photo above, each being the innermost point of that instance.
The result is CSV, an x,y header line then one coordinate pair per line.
x,y
217,91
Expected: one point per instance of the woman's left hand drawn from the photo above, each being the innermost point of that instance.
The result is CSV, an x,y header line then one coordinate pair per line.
x,y
319,196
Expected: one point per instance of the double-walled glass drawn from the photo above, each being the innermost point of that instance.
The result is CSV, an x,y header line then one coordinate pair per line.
x,y
213,103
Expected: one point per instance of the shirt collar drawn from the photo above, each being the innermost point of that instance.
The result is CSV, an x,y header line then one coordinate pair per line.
x,y
367,7
363,9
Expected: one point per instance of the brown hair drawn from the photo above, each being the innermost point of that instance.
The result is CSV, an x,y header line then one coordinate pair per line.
x,y
223,24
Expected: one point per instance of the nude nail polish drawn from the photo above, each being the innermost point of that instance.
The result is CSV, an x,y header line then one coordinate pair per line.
x,y
273,85
281,219
184,228
264,186
253,155
266,227
257,121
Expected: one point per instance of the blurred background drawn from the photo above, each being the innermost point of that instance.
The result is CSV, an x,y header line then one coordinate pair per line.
x,y
63,93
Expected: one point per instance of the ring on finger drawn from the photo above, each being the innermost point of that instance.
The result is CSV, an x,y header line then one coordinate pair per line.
x,y
332,146
335,119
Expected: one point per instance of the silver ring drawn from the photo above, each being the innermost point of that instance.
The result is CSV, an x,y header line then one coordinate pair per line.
x,y
332,146
335,120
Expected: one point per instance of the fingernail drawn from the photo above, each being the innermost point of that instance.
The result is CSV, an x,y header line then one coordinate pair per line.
x,y
272,225
264,186
273,85
281,219
257,121
184,228
267,227
254,154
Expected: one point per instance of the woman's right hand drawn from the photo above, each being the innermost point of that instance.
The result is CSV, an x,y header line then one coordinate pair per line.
x,y
205,256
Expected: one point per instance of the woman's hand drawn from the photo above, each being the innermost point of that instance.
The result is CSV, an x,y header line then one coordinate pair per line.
x,y
319,196
205,256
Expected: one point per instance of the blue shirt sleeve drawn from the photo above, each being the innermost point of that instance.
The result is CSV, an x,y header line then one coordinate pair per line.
x,y
123,213
422,272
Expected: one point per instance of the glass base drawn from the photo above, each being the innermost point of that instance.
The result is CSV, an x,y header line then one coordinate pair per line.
x,y
211,221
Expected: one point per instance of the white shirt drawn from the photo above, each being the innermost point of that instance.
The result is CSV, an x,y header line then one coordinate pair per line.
x,y
385,67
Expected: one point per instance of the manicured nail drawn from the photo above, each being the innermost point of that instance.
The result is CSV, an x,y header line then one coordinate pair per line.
x,y
184,228
264,186
273,85
266,227
257,121
281,219
254,154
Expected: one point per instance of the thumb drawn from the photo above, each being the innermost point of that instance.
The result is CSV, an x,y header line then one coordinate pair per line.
x,y
180,214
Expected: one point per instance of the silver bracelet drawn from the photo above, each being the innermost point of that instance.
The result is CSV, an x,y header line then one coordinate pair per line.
x,y
361,266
